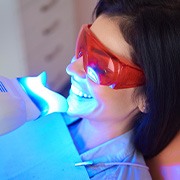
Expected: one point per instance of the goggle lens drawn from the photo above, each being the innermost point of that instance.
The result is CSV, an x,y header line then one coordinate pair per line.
x,y
102,66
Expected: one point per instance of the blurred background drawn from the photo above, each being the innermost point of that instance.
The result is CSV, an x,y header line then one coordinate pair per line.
x,y
40,35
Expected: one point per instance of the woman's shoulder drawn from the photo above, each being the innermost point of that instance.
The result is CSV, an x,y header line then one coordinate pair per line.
x,y
131,167
166,164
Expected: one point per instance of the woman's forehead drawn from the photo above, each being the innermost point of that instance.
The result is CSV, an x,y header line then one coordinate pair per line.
x,y
106,29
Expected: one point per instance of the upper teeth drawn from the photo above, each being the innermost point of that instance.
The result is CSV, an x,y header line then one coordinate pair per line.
x,y
76,91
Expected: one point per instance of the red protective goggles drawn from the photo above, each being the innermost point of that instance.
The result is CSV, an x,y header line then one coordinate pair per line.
x,y
103,66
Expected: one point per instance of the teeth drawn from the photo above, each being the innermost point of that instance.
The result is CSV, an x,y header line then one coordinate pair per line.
x,y
76,91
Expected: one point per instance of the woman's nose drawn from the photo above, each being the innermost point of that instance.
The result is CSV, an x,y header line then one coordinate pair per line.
x,y
76,68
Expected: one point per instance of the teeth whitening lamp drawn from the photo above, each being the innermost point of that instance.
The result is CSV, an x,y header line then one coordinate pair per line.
x,y
25,99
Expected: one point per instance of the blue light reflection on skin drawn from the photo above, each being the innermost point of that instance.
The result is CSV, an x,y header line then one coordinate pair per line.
x,y
171,172
46,100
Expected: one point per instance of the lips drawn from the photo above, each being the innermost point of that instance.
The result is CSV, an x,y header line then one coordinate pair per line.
x,y
79,93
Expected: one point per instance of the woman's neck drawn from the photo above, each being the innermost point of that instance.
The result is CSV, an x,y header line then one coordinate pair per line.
x,y
89,134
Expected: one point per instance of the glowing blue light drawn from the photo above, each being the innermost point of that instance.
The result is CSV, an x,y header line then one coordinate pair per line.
x,y
46,100
92,75
171,171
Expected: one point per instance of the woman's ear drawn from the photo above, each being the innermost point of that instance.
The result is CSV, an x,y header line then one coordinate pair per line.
x,y
142,103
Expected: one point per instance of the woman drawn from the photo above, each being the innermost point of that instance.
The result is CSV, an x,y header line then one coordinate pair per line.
x,y
125,86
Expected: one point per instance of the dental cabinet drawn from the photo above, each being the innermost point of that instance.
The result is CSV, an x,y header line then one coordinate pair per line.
x,y
36,36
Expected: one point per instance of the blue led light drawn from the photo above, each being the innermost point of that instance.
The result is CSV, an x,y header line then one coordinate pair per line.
x,y
46,100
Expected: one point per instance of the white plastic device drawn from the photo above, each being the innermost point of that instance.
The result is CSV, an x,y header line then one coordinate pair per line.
x,y
25,99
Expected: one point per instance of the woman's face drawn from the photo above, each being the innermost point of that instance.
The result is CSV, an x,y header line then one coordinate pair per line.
x,y
92,101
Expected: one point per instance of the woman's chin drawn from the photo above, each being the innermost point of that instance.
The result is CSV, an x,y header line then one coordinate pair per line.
x,y
80,107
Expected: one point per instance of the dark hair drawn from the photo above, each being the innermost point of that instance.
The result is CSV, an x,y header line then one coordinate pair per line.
x,y
152,28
